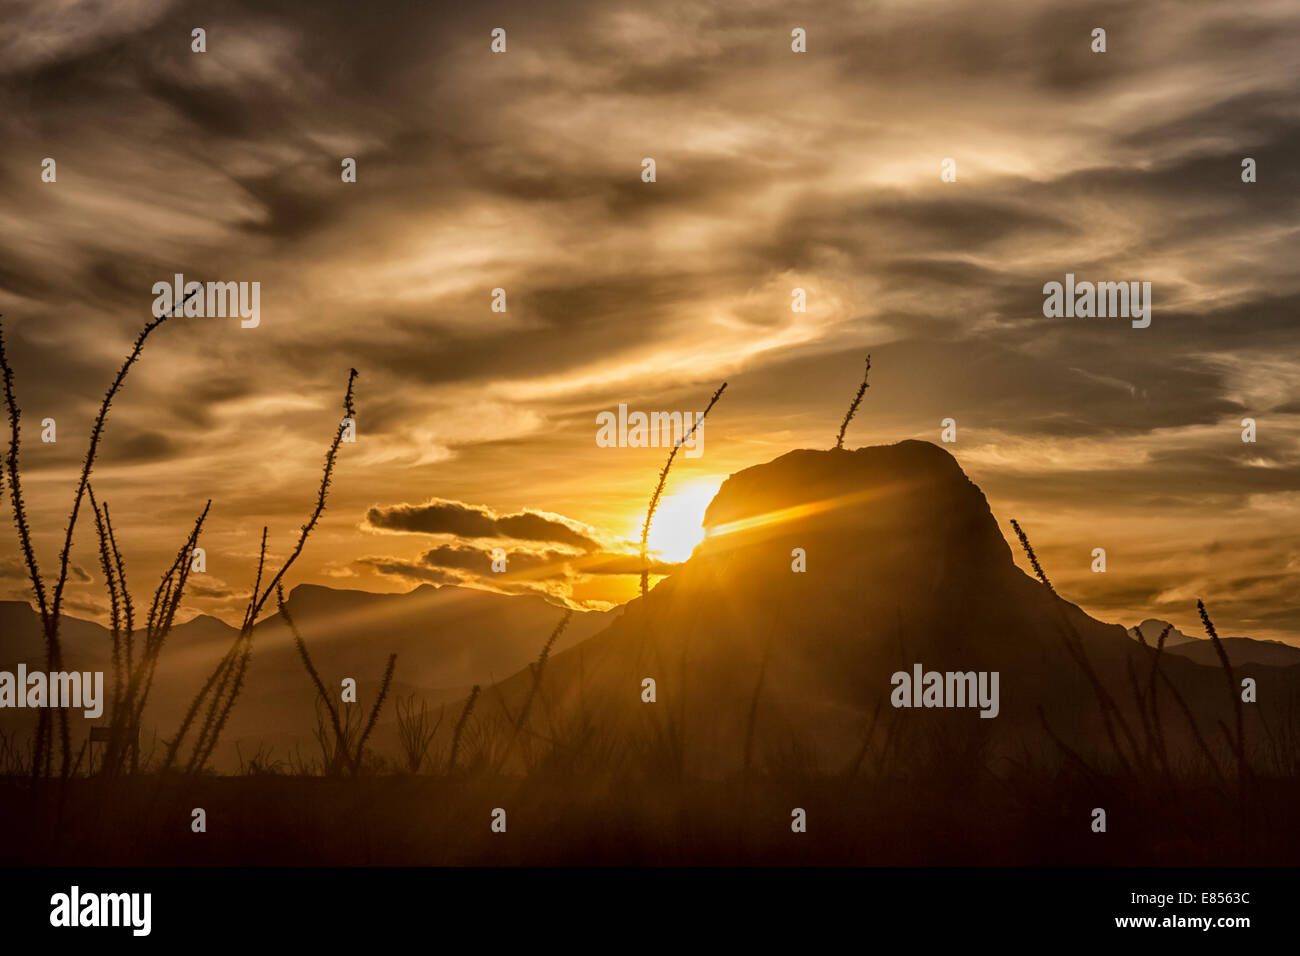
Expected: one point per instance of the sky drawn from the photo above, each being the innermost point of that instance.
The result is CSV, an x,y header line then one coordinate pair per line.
x,y
774,170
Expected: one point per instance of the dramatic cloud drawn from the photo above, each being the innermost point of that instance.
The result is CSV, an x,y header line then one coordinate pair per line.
x,y
475,521
775,171
553,573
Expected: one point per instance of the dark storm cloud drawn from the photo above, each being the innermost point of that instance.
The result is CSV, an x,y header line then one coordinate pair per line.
x,y
474,521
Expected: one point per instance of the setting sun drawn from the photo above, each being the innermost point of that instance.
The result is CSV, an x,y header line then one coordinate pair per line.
x,y
678,523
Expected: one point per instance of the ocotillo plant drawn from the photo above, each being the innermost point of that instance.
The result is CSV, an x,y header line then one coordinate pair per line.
x,y
853,406
537,669
374,712
340,738
1153,752
1161,749
1033,558
1238,743
227,679
132,679
51,607
1110,712
460,727
659,490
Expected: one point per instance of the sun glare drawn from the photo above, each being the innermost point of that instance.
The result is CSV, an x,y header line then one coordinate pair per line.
x,y
677,526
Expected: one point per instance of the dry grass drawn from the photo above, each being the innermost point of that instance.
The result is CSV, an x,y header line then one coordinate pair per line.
x,y
416,729
537,669
1146,759
342,753
460,727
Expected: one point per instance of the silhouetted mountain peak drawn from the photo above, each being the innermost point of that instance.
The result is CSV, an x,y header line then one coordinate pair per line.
x,y
808,475
905,514
826,572
1151,629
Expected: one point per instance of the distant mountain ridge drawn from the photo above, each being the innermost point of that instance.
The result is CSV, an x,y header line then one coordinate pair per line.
x,y
447,638
1240,650
1151,629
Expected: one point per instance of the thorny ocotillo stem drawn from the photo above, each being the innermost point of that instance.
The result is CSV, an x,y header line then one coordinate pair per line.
x,y
659,490
1240,743
1033,558
853,408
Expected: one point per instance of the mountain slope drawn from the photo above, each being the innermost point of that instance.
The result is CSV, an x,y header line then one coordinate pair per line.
x,y
905,565
1240,650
